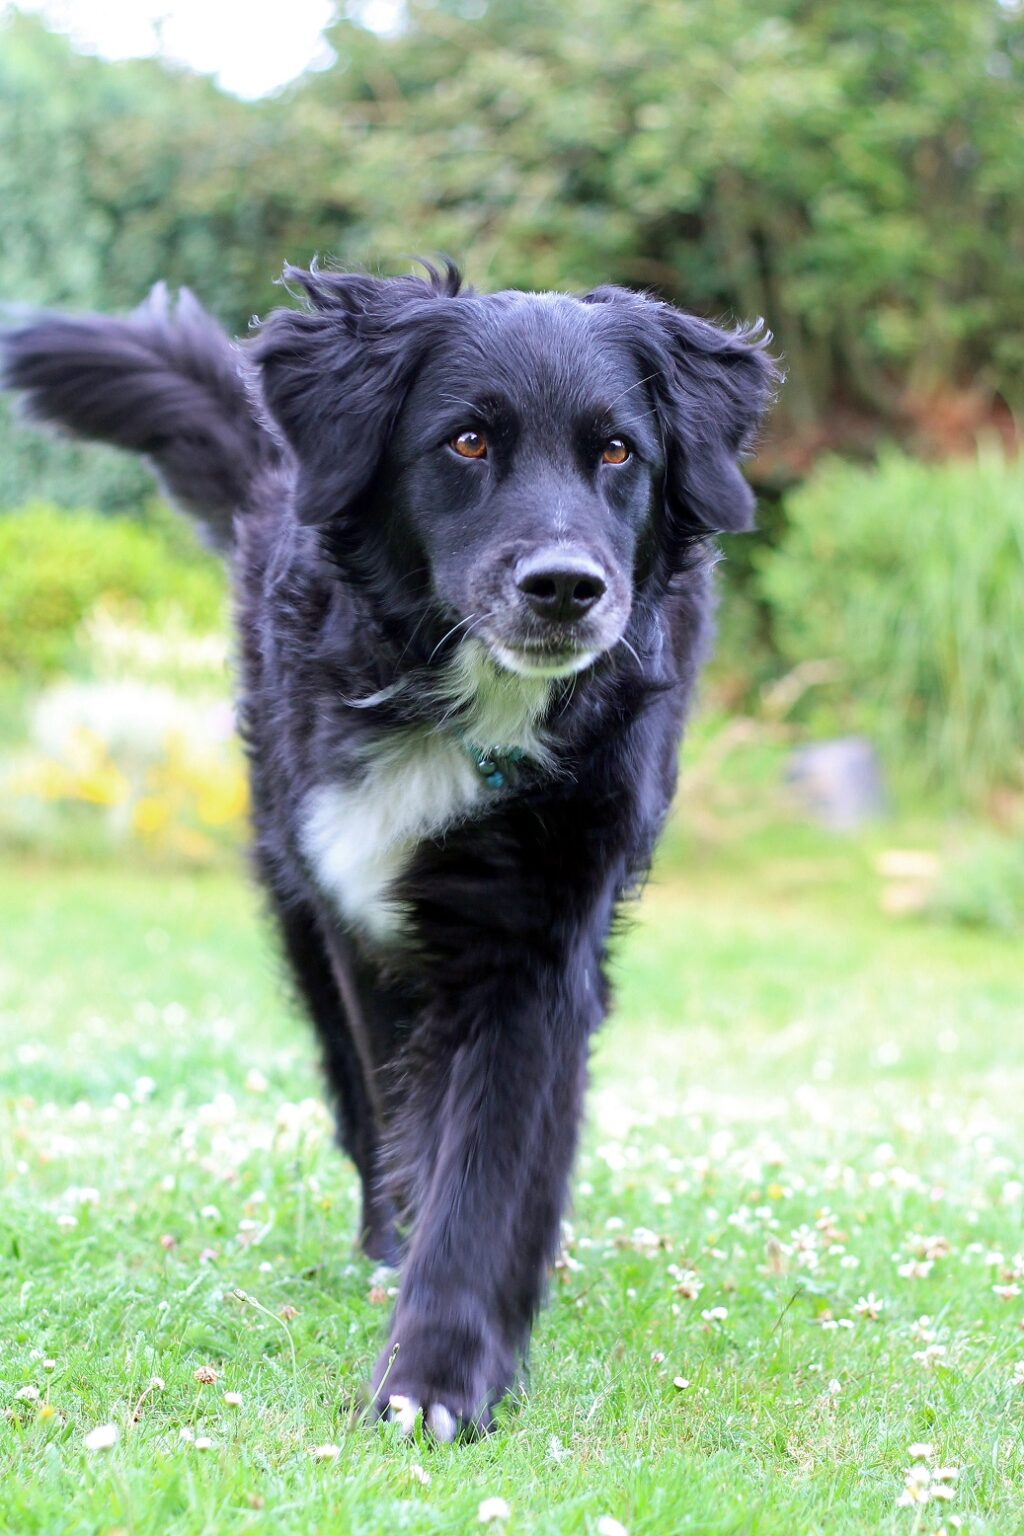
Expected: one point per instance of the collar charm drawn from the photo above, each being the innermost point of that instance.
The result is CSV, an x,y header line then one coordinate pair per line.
x,y
495,765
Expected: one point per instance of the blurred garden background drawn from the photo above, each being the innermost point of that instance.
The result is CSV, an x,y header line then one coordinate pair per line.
x,y
808,1103
854,174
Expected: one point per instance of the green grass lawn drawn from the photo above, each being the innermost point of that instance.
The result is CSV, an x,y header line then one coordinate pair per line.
x,y
795,1248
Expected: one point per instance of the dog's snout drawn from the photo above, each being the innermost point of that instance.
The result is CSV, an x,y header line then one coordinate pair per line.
x,y
560,585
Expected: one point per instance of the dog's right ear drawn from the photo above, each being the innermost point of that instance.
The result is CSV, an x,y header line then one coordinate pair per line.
x,y
711,387
334,376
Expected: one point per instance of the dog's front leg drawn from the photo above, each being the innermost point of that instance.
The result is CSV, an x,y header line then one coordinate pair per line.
x,y
490,1136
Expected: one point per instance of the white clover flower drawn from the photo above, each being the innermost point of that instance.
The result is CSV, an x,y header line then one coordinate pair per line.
x,y
102,1437
326,1452
932,1354
492,1509
609,1526
688,1284
924,1484
915,1487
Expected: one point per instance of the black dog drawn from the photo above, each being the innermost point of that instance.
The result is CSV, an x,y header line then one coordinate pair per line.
x,y
471,542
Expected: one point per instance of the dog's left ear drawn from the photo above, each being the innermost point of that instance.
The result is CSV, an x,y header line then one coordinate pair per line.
x,y
711,387
333,377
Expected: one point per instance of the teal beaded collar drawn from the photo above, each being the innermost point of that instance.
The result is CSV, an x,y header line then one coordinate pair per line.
x,y
497,766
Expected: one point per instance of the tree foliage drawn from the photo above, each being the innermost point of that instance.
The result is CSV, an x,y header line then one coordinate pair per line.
x,y
850,171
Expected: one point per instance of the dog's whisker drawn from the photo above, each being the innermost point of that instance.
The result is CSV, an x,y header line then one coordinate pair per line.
x,y
471,623
481,619
624,642
629,390
427,614
448,636
454,400
568,696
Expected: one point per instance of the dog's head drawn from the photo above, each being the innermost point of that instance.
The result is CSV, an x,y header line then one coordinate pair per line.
x,y
525,464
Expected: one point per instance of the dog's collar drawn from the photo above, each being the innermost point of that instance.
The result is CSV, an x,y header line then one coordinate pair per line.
x,y
497,766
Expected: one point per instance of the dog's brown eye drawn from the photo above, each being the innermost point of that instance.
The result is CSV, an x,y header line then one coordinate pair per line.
x,y
470,445
615,451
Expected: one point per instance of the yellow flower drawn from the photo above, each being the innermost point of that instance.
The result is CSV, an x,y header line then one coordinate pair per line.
x,y
222,800
104,784
150,815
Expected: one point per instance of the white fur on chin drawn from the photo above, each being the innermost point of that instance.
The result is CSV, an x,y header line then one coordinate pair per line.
x,y
521,664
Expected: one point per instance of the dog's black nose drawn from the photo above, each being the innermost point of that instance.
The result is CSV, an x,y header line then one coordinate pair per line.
x,y
559,584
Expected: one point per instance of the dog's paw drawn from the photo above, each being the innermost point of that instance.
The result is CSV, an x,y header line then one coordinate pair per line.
x,y
439,1421
439,1375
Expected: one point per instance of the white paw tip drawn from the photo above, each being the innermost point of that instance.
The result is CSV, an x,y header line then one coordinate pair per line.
x,y
402,1411
441,1422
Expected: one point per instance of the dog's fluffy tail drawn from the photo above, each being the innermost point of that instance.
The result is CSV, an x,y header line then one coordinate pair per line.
x,y
165,382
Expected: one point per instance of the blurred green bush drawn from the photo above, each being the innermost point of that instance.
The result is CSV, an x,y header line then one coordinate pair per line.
x,y
57,567
116,729
982,885
910,576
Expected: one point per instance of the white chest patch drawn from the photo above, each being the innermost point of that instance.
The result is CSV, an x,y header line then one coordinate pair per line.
x,y
359,836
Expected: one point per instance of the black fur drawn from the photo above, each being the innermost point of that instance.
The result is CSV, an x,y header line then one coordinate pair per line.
x,y
368,556
164,382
